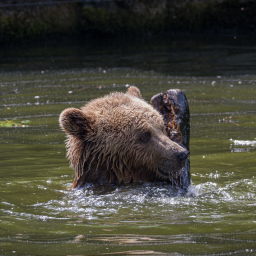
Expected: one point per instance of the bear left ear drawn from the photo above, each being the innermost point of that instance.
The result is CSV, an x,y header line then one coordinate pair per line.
x,y
134,91
76,122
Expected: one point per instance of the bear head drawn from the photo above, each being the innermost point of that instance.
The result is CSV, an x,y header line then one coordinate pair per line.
x,y
120,138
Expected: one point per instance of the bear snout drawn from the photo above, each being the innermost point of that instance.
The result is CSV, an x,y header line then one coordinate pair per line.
x,y
182,156
171,166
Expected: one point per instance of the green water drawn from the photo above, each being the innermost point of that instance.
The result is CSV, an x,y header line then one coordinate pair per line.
x,y
41,215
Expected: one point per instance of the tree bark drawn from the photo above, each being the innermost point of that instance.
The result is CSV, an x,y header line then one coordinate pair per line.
x,y
173,106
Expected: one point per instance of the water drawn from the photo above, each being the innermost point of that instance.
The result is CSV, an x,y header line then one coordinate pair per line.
x,y
41,215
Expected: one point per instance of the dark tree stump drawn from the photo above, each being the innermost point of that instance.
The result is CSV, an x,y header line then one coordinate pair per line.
x,y
173,106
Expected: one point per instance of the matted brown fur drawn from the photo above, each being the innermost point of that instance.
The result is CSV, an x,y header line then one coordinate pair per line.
x,y
119,139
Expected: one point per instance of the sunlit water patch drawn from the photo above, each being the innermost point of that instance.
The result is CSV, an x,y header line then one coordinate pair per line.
x,y
148,202
242,145
154,215
97,202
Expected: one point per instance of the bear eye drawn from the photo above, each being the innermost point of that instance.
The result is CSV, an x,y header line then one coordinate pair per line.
x,y
145,137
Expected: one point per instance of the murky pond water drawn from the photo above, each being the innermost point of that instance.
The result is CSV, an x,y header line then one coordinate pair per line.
x,y
41,215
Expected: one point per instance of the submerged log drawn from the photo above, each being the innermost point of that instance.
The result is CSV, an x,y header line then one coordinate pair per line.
x,y
173,106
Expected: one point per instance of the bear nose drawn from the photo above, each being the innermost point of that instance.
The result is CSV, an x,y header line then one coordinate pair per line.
x,y
183,155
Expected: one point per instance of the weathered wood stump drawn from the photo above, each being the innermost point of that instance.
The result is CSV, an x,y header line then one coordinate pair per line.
x,y
174,108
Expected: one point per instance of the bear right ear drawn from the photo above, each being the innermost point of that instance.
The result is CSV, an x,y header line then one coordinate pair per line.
x,y
134,91
75,122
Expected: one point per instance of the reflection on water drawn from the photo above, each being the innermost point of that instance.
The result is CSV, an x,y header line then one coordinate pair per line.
x,y
183,56
246,145
244,142
41,215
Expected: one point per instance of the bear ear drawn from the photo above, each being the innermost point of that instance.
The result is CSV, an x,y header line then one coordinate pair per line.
x,y
76,122
134,91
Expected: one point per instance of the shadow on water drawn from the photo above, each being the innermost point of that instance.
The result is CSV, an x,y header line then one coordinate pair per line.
x,y
41,215
186,56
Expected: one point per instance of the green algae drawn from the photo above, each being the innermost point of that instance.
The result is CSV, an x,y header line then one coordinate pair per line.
x,y
14,123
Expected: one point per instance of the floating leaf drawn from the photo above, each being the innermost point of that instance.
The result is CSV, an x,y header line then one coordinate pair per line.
x,y
14,123
6,123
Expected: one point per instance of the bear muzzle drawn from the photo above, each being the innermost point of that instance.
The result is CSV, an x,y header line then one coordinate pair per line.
x,y
182,156
170,167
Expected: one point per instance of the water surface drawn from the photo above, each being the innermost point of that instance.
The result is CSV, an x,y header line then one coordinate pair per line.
x,y
41,215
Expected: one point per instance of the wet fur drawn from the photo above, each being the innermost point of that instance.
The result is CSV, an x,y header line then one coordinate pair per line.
x,y
104,146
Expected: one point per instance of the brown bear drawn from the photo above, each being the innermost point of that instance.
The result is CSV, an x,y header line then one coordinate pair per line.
x,y
120,139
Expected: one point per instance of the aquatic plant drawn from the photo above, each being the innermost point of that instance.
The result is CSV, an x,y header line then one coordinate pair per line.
x,y
14,123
